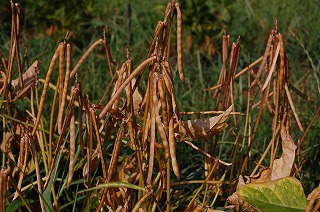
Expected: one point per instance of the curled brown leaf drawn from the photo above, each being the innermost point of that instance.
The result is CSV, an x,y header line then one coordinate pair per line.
x,y
205,127
282,166
29,78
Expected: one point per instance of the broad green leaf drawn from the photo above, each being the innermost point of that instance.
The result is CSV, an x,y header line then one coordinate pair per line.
x,y
285,194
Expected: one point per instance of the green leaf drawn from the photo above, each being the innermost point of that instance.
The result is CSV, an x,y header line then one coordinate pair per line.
x,y
47,192
14,205
285,194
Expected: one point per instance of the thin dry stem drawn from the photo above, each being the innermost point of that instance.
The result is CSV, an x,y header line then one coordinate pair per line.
x,y
293,108
36,163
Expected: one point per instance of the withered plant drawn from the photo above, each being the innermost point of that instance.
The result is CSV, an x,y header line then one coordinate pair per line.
x,y
121,155
148,124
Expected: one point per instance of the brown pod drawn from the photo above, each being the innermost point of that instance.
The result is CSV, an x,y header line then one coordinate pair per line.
x,y
282,69
164,107
72,151
160,127
172,144
86,54
153,86
179,42
45,88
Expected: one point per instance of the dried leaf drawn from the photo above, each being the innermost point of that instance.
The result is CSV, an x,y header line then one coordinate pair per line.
x,y
29,78
137,98
205,127
266,178
264,175
95,159
127,171
282,166
236,201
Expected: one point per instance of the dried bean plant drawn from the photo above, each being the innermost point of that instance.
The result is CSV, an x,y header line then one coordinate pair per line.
x,y
122,155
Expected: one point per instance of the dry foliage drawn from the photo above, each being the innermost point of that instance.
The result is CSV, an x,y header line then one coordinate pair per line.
x,y
281,168
91,136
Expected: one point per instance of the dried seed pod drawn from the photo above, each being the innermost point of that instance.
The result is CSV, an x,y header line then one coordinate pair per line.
x,y
274,60
179,42
157,32
45,88
164,108
124,84
61,70
119,83
160,128
75,69
72,151
282,69
65,88
172,144
115,153
170,87
80,120
153,86
3,185
167,12
264,60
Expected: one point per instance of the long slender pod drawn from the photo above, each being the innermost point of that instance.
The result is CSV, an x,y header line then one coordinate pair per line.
x,y
75,69
179,42
72,151
65,88
124,84
45,88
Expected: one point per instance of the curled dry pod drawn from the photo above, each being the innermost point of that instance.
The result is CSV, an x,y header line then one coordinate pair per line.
x,y
86,54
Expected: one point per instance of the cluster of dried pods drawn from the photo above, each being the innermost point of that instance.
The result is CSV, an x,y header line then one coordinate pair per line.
x,y
151,123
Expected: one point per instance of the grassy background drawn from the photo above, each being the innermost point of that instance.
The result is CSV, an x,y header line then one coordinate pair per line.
x,y
45,24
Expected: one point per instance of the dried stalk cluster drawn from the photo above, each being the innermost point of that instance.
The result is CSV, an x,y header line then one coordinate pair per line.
x,y
149,124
